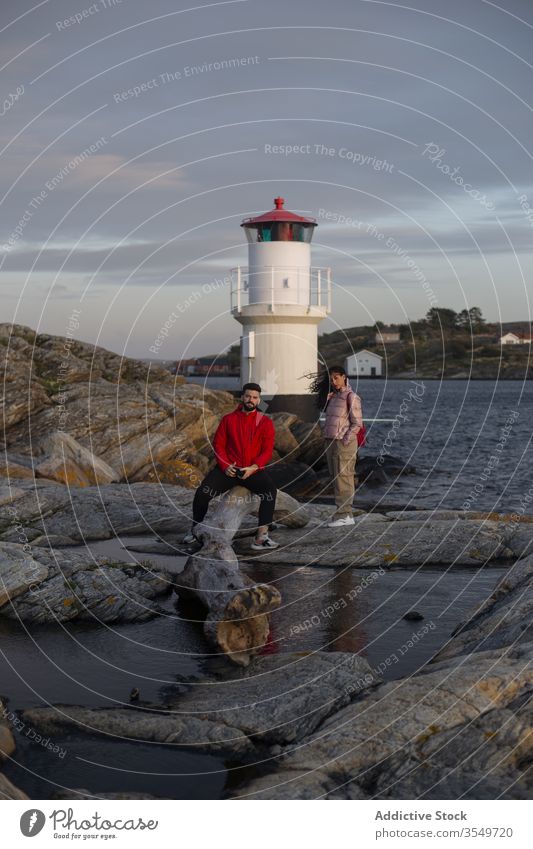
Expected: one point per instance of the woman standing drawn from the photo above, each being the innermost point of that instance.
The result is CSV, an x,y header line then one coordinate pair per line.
x,y
344,420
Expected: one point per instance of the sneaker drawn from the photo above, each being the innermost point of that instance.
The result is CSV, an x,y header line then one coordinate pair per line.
x,y
190,538
265,542
340,523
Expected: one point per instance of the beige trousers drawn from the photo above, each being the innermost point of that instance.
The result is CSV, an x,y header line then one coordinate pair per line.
x,y
341,466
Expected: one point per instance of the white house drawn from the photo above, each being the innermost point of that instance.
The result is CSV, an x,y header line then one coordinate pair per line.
x,y
363,364
514,339
386,335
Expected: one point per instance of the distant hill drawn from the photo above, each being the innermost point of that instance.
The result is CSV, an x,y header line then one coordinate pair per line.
x,y
435,352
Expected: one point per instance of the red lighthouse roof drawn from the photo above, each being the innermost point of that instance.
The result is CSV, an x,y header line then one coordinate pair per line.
x,y
278,214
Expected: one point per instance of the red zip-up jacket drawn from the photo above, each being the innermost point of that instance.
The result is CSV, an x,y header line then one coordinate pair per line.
x,y
244,439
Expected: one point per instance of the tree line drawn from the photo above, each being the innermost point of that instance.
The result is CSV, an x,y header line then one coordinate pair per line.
x,y
443,318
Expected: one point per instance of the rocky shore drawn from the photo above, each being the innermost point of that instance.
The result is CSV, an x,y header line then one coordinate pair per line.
x,y
322,724
459,728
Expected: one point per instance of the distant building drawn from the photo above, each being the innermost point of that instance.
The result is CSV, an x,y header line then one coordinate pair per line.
x,y
387,335
363,364
183,366
213,366
515,339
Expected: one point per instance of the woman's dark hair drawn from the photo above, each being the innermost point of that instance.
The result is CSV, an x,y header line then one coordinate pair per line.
x,y
321,384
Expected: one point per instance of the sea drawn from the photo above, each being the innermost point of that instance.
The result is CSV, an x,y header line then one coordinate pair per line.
x,y
468,441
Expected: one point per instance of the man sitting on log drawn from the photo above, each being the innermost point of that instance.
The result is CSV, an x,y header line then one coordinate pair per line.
x,y
243,445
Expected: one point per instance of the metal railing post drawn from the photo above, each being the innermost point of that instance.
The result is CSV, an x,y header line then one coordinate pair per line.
x,y
239,289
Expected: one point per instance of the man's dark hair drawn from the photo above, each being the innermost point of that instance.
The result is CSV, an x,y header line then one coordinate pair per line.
x,y
254,386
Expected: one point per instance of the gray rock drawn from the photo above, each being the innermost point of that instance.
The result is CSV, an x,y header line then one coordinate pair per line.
x,y
425,515
288,511
53,540
371,543
18,571
23,397
519,538
311,442
413,616
169,547
9,494
320,514
285,443
98,512
482,759
58,587
21,534
71,463
7,741
505,618
140,724
362,518
281,698
296,478
124,416
348,754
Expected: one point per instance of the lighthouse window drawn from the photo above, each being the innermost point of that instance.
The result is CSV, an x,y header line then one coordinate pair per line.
x,y
283,231
279,231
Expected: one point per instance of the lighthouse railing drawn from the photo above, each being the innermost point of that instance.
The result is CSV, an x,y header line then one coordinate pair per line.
x,y
273,294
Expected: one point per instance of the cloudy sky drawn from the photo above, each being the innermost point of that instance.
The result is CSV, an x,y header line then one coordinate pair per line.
x,y
134,138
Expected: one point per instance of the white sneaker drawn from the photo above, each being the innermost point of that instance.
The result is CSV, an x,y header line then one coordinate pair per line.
x,y
265,543
340,523
190,538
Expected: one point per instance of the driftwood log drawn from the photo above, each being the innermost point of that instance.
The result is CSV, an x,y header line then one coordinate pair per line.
x,y
238,609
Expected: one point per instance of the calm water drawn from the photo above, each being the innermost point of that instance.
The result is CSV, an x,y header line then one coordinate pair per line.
x,y
469,441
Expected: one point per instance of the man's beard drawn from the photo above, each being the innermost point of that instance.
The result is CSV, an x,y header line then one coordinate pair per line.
x,y
248,405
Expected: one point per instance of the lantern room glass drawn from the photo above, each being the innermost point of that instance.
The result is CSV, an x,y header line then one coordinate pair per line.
x,y
279,231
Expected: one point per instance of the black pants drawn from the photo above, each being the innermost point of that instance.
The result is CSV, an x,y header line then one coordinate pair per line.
x,y
216,482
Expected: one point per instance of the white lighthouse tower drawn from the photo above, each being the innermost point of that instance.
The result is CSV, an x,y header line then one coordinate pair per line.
x,y
280,300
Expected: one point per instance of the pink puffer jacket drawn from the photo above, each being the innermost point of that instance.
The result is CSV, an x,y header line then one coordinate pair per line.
x,y
343,418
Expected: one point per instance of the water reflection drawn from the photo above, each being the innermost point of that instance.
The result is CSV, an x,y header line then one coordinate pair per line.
x,y
362,612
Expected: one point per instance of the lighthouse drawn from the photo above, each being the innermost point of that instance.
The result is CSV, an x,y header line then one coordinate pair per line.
x,y
280,299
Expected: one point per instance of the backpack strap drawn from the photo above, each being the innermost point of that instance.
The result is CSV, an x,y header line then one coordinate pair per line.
x,y
361,434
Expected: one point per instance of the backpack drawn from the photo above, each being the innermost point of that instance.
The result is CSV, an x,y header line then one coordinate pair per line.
x,y
361,435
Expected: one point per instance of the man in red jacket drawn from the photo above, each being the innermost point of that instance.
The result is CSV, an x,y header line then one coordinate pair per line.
x,y
243,445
